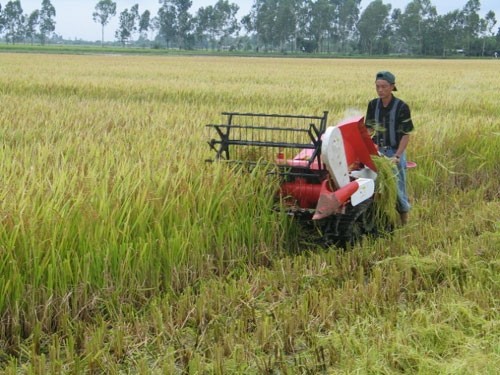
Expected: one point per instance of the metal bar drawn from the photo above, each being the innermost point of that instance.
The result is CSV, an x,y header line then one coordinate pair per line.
x,y
229,122
282,170
261,128
275,115
324,122
241,142
314,156
222,142
315,138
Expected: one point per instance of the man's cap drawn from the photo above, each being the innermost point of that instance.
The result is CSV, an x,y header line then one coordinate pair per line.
x,y
387,76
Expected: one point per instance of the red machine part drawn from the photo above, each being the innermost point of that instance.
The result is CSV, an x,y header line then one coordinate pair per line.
x,y
301,160
331,202
305,193
344,146
358,145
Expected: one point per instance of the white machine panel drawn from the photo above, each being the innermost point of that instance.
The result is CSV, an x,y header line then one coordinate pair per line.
x,y
333,155
365,191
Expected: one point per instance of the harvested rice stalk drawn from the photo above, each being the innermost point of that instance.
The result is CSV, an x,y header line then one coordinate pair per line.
x,y
385,192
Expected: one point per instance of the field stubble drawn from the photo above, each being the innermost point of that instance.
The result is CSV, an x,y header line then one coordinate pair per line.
x,y
122,251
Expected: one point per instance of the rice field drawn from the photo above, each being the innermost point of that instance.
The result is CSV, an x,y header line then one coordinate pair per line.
x,y
123,252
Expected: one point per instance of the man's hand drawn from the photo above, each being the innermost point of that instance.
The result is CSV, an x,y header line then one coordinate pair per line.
x,y
395,159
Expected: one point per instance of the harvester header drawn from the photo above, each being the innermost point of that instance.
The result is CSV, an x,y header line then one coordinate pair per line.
x,y
327,174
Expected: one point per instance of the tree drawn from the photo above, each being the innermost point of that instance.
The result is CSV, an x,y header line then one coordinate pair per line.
x,y
218,21
144,23
126,26
47,23
286,22
175,22
320,16
203,24
450,29
247,22
226,19
264,14
345,23
487,25
302,20
372,26
14,21
472,24
167,22
104,11
184,23
134,11
32,25
497,37
415,26
2,20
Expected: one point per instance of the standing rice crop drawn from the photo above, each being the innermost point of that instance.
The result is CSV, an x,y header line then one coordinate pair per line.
x,y
121,250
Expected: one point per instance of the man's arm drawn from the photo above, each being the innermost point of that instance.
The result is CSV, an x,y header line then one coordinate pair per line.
x,y
402,145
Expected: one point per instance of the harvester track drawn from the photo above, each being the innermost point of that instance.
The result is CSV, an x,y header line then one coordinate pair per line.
x,y
341,230
352,225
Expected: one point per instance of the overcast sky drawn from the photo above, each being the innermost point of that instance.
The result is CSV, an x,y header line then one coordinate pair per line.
x,y
74,17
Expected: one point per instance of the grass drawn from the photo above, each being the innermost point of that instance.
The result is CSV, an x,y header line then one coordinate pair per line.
x,y
121,251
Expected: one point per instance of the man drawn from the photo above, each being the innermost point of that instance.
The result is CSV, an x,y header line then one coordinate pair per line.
x,y
389,121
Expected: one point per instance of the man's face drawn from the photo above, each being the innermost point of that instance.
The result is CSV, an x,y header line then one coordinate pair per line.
x,y
384,88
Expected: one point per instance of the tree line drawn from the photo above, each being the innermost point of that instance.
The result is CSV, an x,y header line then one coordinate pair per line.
x,y
306,26
16,26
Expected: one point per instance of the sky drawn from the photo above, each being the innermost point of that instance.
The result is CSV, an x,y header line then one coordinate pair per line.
x,y
74,17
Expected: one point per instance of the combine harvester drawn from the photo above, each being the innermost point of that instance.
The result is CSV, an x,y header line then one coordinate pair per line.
x,y
327,174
